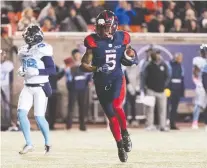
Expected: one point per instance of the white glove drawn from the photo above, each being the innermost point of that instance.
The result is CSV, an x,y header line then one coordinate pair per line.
x,y
31,72
131,89
20,72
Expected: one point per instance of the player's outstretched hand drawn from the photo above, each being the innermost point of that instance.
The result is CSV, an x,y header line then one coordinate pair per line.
x,y
20,72
104,69
31,72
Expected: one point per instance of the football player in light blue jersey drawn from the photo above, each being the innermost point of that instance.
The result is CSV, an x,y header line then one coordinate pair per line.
x,y
200,94
36,66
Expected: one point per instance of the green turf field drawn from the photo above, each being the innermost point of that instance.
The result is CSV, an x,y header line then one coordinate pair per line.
x,y
96,149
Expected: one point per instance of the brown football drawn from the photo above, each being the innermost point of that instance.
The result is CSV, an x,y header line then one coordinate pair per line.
x,y
130,52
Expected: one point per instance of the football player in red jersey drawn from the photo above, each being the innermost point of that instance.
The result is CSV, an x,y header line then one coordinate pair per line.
x,y
107,50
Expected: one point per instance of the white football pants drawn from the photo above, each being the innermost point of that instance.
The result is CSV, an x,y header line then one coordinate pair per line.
x,y
30,95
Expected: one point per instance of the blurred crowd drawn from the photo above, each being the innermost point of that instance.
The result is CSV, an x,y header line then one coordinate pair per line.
x,y
135,16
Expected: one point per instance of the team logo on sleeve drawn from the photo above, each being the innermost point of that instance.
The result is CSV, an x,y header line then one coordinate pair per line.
x,y
110,45
118,46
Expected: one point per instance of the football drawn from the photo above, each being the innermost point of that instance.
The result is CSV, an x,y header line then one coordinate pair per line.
x,y
129,53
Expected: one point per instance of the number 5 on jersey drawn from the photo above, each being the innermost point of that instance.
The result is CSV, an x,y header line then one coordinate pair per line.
x,y
111,61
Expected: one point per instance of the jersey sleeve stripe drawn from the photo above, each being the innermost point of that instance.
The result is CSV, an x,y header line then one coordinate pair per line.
x,y
90,42
126,39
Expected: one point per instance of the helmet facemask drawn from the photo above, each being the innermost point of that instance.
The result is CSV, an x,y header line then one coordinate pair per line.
x,y
106,28
32,35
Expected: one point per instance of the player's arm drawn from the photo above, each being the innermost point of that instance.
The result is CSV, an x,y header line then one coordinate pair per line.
x,y
48,70
89,43
196,71
47,59
131,59
49,66
204,80
86,62
204,77
86,66
21,70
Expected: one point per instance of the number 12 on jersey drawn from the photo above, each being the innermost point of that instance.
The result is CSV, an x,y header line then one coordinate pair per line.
x,y
111,61
29,63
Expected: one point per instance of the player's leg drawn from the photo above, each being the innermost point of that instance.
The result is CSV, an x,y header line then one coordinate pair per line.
x,y
196,114
106,103
196,111
200,103
24,104
119,93
119,89
115,129
40,104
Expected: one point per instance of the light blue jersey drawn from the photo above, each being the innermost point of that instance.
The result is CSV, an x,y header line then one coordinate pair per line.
x,y
33,58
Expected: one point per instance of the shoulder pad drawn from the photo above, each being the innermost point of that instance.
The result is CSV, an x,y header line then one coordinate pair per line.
x,y
197,60
90,42
45,49
22,50
41,45
126,38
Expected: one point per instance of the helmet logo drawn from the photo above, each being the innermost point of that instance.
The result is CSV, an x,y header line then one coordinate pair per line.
x,y
101,21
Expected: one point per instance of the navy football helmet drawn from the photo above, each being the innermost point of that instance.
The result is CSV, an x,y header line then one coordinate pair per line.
x,y
106,24
33,35
203,50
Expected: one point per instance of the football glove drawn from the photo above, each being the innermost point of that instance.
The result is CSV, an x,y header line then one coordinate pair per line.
x,y
127,62
104,69
20,72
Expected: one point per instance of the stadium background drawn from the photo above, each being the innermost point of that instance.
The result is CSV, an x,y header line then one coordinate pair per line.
x,y
185,148
143,19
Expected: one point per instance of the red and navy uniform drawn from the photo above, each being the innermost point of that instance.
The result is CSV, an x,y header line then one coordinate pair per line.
x,y
110,88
